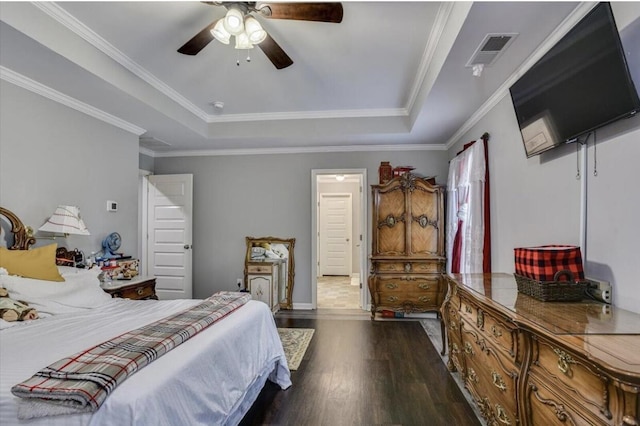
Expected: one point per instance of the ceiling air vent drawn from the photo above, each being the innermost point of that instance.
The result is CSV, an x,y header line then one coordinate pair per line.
x,y
490,49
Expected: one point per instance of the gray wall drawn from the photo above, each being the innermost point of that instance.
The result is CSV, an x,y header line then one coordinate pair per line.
x,y
261,195
537,201
51,154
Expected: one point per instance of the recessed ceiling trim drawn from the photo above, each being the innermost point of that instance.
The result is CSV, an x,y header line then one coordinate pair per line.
x,y
20,80
73,24
427,57
301,150
305,115
569,22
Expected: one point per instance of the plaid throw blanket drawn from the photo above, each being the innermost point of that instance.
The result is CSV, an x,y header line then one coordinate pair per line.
x,y
81,382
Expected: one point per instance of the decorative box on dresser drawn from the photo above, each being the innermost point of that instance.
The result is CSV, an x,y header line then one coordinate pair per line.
x,y
408,253
529,362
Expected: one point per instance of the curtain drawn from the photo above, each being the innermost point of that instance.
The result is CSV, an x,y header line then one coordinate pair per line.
x,y
468,223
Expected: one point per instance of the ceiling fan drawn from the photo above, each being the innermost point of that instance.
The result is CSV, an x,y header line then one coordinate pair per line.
x,y
240,22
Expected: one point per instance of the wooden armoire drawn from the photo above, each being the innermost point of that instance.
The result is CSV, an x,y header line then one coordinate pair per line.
x,y
408,252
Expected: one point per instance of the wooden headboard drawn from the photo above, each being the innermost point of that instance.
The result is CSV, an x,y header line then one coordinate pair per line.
x,y
22,238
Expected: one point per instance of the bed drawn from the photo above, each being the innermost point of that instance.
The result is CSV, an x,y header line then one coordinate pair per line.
x,y
212,378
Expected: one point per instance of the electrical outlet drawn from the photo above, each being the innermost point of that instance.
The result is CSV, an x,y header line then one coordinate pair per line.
x,y
600,290
239,282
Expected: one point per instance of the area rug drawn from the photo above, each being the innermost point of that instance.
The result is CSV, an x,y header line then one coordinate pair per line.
x,y
295,342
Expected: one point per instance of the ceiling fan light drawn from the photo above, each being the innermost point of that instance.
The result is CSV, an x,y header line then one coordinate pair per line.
x,y
254,30
242,41
220,33
233,22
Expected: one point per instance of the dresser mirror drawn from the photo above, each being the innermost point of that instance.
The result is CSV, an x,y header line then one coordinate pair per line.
x,y
274,249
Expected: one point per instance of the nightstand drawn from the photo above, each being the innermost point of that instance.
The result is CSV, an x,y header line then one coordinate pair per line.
x,y
138,288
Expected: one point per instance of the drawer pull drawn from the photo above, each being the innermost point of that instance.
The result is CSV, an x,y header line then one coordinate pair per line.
x,y
455,349
496,333
498,382
502,415
392,298
453,326
140,291
564,361
424,286
407,267
424,299
468,349
471,375
392,286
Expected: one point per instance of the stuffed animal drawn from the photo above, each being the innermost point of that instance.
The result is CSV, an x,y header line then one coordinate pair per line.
x,y
14,310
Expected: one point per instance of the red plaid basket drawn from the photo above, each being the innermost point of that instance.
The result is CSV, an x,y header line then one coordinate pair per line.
x,y
542,263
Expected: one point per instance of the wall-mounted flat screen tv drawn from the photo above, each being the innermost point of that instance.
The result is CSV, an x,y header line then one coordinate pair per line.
x,y
581,84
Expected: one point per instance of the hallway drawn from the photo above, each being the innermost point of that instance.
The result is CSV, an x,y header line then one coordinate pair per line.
x,y
337,292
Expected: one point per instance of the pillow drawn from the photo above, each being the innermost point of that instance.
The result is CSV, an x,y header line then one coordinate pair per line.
x,y
73,273
79,292
38,263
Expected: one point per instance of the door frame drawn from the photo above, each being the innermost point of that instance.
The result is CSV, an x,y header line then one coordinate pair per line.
x,y
143,205
364,225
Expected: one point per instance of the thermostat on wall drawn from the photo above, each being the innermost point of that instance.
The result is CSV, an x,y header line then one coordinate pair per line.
x,y
112,206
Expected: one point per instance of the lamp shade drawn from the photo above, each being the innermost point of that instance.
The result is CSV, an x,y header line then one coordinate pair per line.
x,y
220,33
254,30
242,41
65,220
233,22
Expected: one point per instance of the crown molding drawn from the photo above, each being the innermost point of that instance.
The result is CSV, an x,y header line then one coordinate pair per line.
x,y
20,80
569,22
73,24
300,150
427,55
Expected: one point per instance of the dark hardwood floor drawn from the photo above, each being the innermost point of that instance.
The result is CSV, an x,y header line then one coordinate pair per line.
x,y
364,373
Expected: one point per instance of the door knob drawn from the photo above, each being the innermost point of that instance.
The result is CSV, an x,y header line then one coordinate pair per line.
x,y
187,246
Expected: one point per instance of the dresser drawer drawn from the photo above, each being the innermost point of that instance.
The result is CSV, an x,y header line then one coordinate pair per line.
x,y
547,408
266,268
492,384
422,267
571,376
136,293
502,334
469,311
408,284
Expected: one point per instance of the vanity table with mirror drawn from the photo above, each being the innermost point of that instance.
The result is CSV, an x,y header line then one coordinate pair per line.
x,y
269,270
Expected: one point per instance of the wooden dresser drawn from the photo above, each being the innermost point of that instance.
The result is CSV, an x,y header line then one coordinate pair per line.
x,y
408,253
527,362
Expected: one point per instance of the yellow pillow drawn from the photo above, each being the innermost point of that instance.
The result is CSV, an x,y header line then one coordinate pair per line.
x,y
38,263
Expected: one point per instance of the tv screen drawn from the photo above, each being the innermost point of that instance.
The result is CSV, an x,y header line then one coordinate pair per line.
x,y
581,84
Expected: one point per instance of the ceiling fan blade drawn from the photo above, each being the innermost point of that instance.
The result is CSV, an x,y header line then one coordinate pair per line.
x,y
322,12
198,42
275,53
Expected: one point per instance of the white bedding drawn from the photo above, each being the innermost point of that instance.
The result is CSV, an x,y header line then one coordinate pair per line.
x,y
212,379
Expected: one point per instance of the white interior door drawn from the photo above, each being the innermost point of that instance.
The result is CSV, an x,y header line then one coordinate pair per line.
x,y
335,234
169,235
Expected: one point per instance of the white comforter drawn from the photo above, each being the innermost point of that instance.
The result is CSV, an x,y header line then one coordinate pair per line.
x,y
212,379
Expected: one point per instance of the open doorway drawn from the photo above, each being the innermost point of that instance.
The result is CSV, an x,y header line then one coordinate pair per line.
x,y
339,274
